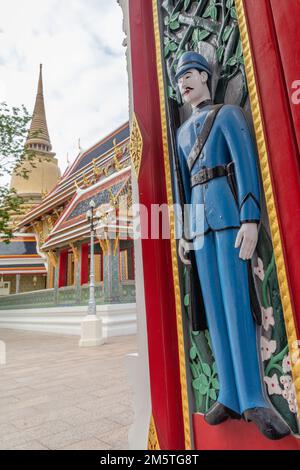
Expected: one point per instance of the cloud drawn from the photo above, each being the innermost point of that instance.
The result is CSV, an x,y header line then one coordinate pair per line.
x,y
84,66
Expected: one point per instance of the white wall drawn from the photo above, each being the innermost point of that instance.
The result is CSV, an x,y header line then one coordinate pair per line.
x,y
118,320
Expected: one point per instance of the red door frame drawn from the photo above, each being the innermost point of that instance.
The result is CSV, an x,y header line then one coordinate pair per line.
x,y
159,292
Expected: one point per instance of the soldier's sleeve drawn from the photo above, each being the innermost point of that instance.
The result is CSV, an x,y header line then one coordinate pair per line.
x,y
185,174
244,155
185,180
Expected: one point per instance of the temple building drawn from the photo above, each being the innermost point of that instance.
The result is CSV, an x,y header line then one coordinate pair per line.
x,y
102,174
53,237
22,268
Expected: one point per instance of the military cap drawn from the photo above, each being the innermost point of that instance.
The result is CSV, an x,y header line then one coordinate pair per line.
x,y
192,60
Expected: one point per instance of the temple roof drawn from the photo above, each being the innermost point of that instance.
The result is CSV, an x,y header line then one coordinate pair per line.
x,y
100,156
100,148
73,224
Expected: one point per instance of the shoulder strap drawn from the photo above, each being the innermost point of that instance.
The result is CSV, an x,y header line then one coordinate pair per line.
x,y
203,135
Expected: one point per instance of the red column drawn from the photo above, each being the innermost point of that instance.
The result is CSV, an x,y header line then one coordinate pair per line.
x,y
286,20
84,263
63,266
157,263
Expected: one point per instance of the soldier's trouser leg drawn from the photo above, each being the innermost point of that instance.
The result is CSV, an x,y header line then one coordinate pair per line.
x,y
241,328
208,269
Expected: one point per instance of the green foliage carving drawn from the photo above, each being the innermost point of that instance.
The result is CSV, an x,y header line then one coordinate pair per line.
x,y
277,371
188,23
204,374
204,379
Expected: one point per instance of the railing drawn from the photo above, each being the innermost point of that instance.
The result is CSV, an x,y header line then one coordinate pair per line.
x,y
85,293
40,298
65,296
127,291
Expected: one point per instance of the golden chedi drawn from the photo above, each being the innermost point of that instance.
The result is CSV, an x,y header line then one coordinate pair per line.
x,y
43,177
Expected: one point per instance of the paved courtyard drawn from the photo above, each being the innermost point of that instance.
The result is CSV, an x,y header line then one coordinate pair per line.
x,y
55,395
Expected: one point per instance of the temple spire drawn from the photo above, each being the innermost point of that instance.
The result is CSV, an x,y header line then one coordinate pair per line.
x,y
38,136
44,174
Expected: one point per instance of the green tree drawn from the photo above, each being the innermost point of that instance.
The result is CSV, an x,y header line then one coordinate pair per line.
x,y
13,155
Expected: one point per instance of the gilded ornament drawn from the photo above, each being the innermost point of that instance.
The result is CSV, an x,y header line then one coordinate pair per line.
x,y
136,145
153,443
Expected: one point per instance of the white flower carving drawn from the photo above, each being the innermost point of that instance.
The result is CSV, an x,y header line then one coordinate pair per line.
x,y
287,364
267,317
287,386
267,348
286,381
259,270
293,409
292,396
292,400
285,394
273,385
289,392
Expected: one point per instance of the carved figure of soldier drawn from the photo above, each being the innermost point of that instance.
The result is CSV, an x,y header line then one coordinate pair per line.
x,y
230,234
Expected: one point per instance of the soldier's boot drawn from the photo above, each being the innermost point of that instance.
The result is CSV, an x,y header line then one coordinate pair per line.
x,y
268,422
219,413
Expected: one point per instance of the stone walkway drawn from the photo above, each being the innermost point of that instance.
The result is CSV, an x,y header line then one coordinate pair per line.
x,y
55,395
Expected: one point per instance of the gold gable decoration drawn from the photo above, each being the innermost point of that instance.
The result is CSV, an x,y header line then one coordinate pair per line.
x,y
136,145
96,170
75,252
104,243
53,260
118,154
39,231
51,221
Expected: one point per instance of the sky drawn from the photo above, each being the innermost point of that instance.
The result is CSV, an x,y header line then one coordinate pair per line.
x,y
79,43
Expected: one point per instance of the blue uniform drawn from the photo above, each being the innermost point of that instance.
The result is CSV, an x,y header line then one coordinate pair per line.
x,y
223,275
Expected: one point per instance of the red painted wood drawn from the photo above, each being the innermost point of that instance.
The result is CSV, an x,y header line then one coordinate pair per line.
x,y
279,130
236,435
286,20
63,266
84,263
159,292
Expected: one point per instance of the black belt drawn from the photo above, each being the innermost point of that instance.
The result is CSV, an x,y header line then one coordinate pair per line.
x,y
207,174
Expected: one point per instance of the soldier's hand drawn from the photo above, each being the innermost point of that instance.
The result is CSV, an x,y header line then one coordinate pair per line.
x,y
247,239
183,251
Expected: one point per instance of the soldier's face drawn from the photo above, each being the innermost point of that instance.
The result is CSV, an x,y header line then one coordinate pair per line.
x,y
193,86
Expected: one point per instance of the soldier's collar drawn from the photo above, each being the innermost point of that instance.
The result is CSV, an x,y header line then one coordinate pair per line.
x,y
202,105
